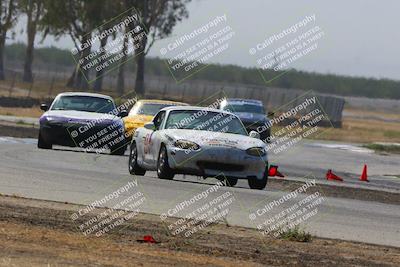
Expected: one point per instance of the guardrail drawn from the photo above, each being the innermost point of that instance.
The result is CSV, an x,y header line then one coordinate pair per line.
x,y
193,91
273,98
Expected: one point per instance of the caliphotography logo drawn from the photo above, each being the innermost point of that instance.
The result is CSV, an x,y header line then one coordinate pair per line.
x,y
194,50
277,53
111,44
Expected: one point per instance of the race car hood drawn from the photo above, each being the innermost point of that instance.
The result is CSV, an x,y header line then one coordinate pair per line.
x,y
252,117
206,138
78,116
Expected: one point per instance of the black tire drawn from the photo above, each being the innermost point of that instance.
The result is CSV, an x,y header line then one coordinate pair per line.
x,y
134,168
118,151
42,143
231,181
163,169
255,183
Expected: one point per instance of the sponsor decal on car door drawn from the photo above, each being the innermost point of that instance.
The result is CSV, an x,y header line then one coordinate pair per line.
x,y
147,147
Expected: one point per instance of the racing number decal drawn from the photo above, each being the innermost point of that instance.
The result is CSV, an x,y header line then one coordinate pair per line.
x,y
147,142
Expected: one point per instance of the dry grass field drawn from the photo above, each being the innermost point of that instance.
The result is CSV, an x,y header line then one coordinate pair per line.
x,y
362,126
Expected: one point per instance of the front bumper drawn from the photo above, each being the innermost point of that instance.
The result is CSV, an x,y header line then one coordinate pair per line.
x,y
214,161
73,135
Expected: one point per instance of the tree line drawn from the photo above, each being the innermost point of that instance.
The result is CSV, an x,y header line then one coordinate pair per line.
x,y
322,83
81,20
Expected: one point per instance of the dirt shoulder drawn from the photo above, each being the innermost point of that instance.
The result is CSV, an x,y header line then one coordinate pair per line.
x,y
38,233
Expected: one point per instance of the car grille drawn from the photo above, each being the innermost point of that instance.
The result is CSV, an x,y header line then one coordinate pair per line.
x,y
64,132
219,166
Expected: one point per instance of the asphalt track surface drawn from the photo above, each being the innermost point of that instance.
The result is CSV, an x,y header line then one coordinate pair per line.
x,y
65,174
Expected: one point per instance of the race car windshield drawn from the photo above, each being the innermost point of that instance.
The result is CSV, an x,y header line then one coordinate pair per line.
x,y
205,121
84,103
247,108
148,109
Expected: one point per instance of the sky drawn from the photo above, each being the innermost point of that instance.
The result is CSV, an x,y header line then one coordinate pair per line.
x,y
361,37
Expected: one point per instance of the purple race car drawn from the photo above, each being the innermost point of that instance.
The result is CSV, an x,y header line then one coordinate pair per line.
x,y
86,120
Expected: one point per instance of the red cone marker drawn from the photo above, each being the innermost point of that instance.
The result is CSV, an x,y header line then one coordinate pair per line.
x,y
148,239
273,171
333,177
364,176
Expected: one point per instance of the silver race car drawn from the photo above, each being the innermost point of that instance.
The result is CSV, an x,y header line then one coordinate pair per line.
x,y
199,141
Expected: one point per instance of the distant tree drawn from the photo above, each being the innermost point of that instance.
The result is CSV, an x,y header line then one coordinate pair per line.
x,y
107,10
98,84
8,16
159,17
77,19
34,10
121,67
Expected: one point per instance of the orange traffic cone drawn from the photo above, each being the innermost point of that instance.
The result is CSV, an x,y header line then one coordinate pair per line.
x,y
273,171
279,174
333,177
364,176
148,239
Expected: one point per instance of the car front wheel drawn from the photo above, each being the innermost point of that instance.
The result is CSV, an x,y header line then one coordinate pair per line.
x,y
118,151
42,143
163,169
259,184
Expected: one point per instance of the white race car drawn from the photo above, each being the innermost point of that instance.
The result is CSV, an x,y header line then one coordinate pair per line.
x,y
199,141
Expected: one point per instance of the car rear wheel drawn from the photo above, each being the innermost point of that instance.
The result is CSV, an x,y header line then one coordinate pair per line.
x,y
258,184
42,143
163,169
134,168
119,149
230,181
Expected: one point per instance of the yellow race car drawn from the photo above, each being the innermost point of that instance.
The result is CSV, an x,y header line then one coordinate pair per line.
x,y
143,111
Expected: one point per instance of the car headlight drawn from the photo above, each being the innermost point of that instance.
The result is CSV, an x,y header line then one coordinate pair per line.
x,y
50,120
256,151
184,144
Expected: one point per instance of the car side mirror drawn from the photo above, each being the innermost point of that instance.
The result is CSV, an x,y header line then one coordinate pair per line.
x,y
44,107
150,126
254,134
123,113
